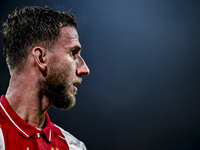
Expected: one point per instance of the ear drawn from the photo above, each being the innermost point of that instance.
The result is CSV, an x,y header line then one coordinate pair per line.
x,y
39,55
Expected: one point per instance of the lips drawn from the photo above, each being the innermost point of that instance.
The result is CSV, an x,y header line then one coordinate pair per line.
x,y
74,85
77,82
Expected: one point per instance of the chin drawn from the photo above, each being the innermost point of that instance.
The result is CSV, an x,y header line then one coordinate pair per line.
x,y
64,103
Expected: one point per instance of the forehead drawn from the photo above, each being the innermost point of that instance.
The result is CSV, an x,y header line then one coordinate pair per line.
x,y
68,39
69,34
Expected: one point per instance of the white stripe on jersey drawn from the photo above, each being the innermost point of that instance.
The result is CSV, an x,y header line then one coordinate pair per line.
x,y
13,121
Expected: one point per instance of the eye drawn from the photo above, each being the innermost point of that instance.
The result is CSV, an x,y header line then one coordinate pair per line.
x,y
73,52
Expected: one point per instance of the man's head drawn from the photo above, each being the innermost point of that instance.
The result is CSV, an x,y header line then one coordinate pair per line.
x,y
46,41
31,26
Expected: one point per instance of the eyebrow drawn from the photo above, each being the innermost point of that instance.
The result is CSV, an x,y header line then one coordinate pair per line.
x,y
77,47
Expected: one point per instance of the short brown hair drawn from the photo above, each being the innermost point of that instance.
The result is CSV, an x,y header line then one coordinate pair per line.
x,y
30,26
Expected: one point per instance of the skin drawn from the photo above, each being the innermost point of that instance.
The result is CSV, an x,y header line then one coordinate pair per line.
x,y
26,94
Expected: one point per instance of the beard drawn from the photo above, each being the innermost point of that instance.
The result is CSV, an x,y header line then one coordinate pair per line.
x,y
57,88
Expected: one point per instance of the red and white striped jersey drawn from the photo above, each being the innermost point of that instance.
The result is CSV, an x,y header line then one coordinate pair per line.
x,y
17,134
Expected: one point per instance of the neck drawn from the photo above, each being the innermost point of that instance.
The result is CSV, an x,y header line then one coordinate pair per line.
x,y
24,97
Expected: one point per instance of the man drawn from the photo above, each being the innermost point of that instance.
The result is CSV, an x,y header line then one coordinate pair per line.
x,y
42,50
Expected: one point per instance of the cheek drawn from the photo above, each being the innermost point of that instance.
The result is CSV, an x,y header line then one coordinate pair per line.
x,y
66,63
69,67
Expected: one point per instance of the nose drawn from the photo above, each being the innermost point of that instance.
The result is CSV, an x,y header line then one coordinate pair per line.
x,y
82,69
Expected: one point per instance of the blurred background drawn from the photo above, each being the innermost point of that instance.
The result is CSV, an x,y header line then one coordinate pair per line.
x,y
143,92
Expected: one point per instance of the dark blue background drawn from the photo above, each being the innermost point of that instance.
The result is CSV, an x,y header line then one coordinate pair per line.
x,y
143,92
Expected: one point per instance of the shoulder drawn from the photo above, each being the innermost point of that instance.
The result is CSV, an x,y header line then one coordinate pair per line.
x,y
74,143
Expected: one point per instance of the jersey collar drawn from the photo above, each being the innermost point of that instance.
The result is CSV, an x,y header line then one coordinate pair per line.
x,y
22,126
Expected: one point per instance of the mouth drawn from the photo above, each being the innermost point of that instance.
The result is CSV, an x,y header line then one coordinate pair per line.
x,y
75,84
